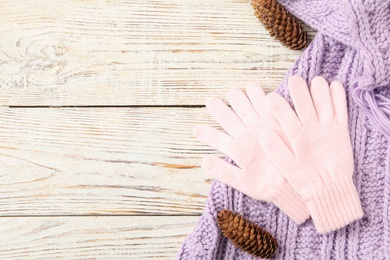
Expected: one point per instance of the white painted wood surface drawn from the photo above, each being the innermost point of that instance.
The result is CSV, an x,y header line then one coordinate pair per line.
x,y
101,161
76,238
98,100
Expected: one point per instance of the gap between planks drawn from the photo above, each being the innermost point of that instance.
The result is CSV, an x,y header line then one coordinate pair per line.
x,y
112,106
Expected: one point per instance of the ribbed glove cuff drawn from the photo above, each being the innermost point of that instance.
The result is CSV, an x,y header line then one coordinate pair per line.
x,y
287,200
335,206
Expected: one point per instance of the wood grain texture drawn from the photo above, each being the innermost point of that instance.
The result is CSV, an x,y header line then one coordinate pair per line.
x,y
81,238
102,161
161,52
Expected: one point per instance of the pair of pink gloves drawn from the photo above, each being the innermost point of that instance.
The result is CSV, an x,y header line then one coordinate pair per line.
x,y
301,162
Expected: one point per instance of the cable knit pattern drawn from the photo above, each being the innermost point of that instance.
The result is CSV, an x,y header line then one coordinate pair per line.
x,y
352,46
362,25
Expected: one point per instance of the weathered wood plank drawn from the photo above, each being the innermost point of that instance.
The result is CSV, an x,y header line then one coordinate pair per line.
x,y
101,161
93,237
163,52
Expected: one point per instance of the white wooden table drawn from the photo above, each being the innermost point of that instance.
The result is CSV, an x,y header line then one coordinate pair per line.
x,y
98,100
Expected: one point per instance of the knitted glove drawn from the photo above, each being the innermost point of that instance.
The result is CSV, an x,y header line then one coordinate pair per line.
x,y
255,175
318,160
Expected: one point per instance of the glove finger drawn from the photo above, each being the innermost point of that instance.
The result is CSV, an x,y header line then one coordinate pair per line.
x,y
302,100
257,97
339,101
284,114
243,107
225,117
320,93
278,152
217,139
227,173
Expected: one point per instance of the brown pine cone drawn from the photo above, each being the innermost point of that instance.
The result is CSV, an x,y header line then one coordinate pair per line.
x,y
246,235
280,23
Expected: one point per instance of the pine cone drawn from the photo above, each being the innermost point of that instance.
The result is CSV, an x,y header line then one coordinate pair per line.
x,y
280,23
246,235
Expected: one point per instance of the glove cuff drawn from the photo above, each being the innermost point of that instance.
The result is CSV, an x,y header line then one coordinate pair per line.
x,y
291,203
335,206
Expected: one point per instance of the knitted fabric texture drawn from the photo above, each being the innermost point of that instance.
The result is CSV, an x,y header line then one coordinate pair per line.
x,y
352,46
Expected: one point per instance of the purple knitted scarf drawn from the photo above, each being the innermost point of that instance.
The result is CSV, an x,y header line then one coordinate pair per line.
x,y
352,45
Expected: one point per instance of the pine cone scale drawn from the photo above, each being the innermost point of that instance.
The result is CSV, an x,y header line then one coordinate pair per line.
x,y
246,235
280,23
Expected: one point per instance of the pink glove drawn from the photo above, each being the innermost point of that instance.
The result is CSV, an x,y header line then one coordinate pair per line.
x,y
319,164
257,177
